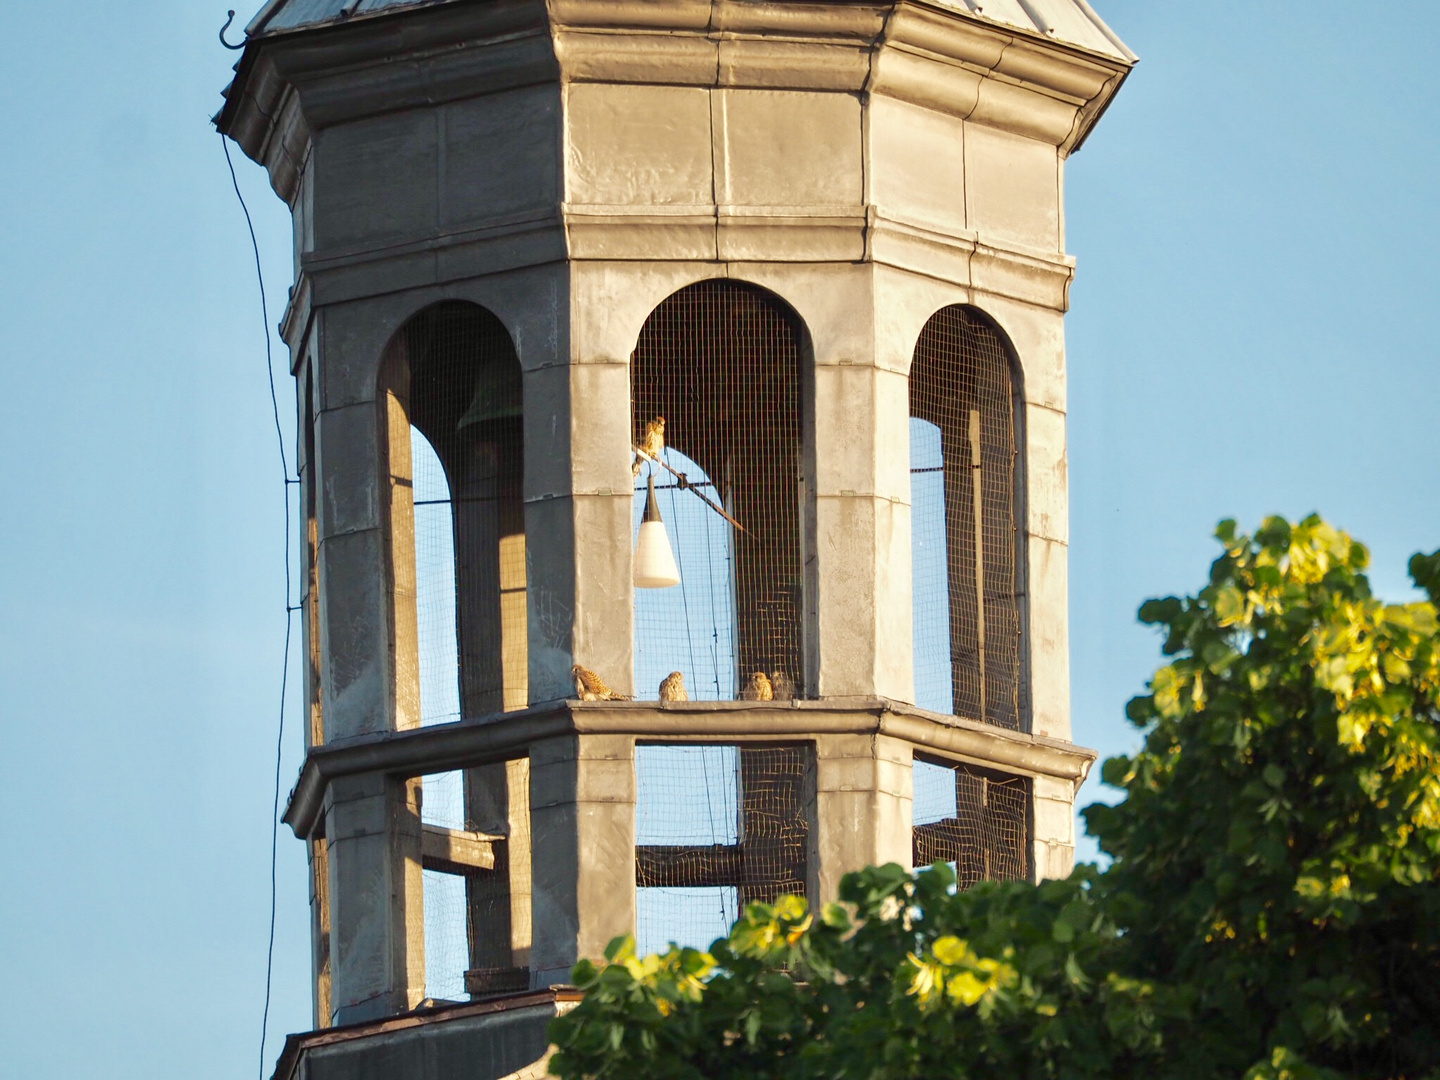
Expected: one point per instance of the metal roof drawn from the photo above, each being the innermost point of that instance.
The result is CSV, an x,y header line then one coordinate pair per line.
x,y
278,16
1072,22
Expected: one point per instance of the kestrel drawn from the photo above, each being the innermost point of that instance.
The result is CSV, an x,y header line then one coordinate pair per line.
x,y
758,688
652,444
590,687
673,688
781,686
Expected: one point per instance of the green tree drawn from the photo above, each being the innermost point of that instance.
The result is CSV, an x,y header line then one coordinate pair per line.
x,y
1271,910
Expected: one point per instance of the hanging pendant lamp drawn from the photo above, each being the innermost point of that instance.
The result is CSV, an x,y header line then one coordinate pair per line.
x,y
654,561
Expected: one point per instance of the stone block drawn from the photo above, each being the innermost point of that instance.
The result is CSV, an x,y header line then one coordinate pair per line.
x,y
547,432
788,148
499,155
845,429
1054,821
904,303
1053,787
375,179
638,145
350,460
600,433
1046,474
603,635
917,164
845,552
1012,188
583,856
612,300
555,846
376,894
856,829
846,773
550,596
892,436
1049,638
353,635
600,781
894,579
1053,861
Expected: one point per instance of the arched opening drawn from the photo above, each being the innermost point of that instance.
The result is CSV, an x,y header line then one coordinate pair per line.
x,y
719,826
720,361
452,408
966,513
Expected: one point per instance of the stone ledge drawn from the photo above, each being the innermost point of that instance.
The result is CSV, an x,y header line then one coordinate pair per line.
x,y
498,737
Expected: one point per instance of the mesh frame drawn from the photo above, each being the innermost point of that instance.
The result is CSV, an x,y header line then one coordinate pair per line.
x,y
962,380
989,838
720,360
770,856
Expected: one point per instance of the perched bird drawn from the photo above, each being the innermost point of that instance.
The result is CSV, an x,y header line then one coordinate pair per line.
x,y
781,686
673,688
758,688
590,687
652,444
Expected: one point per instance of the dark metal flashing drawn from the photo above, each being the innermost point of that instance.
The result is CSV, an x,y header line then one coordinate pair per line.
x,y
297,1044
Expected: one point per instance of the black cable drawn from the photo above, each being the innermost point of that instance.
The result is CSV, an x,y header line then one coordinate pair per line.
x,y
289,609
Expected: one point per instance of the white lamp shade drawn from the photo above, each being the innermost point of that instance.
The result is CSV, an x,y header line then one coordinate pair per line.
x,y
654,561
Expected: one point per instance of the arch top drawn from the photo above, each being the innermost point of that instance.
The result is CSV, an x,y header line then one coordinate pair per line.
x,y
454,366
963,387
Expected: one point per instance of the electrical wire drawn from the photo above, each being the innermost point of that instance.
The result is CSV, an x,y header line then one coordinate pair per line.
x,y
289,608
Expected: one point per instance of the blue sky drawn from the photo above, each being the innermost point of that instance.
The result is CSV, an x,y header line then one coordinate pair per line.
x,y
1253,330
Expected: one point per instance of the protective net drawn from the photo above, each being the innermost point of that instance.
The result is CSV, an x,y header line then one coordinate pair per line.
x,y
475,839
456,467
961,390
466,471
702,605
720,362
974,819
717,827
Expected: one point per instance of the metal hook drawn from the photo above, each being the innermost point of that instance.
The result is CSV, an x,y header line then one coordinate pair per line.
x,y
228,21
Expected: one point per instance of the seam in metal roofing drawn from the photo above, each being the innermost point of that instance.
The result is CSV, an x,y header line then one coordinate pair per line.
x,y
1071,22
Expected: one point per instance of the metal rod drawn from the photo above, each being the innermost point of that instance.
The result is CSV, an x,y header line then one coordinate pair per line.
x,y
977,479
685,483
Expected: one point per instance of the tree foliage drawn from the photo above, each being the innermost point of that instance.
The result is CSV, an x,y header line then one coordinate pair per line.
x,y
1271,910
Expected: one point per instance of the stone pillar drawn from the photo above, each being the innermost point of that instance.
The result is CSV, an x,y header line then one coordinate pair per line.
x,y
1054,825
582,807
577,484
377,937
863,805
369,684
860,424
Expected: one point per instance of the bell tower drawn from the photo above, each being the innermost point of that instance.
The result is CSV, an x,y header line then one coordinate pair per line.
x,y
778,289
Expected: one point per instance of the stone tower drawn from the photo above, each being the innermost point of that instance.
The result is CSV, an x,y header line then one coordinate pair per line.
x,y
825,240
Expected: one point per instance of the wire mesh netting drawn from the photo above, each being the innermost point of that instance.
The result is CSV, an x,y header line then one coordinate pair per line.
x,y
477,894
447,938
964,483
717,827
719,361
976,820
467,471
458,383
702,604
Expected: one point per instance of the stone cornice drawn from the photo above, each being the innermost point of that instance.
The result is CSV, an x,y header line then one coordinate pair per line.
x,y
701,233
915,51
468,743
